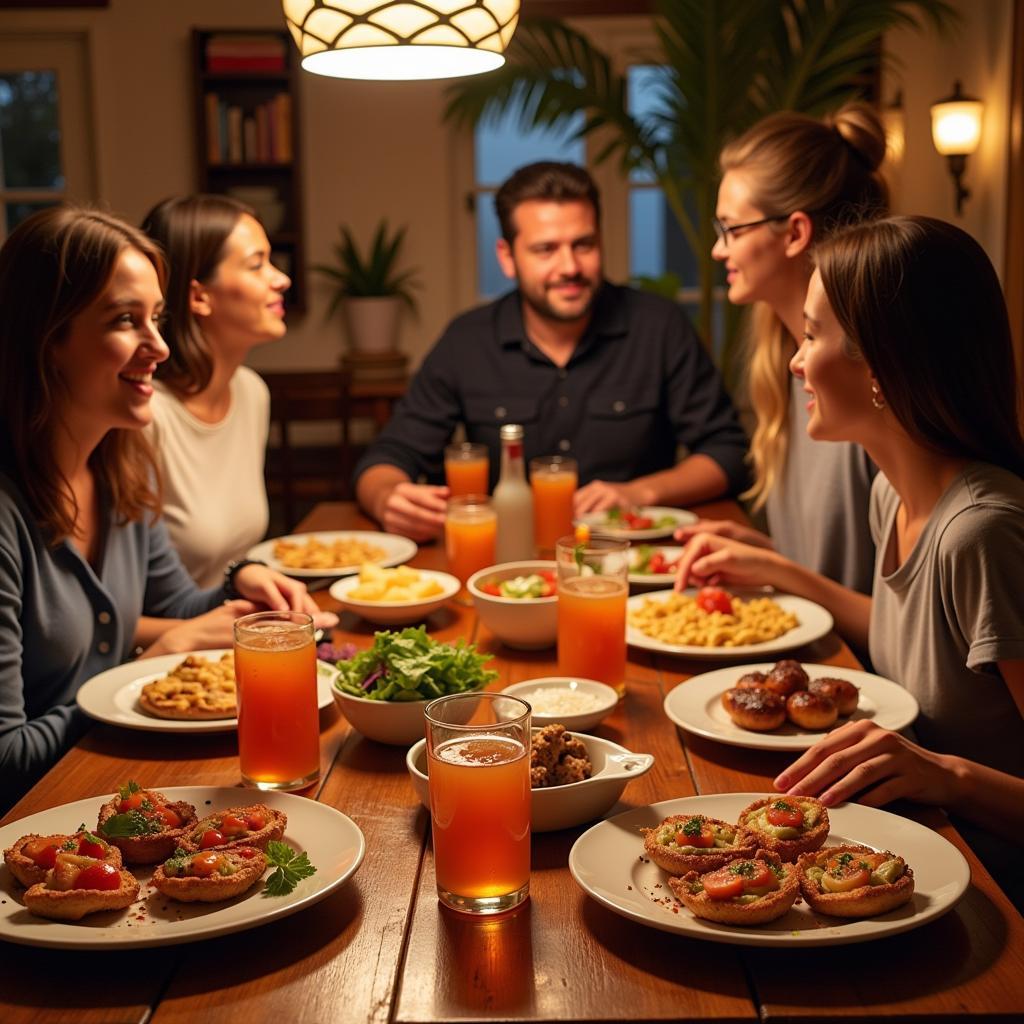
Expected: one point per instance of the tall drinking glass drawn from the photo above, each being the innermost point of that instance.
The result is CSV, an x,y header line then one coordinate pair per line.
x,y
478,763
466,468
470,534
553,479
278,717
593,584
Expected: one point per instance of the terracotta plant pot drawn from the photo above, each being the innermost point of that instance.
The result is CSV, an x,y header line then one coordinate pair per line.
x,y
372,323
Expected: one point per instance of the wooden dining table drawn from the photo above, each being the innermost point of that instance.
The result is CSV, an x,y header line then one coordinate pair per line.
x,y
382,949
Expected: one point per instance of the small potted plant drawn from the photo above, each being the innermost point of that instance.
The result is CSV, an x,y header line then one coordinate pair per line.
x,y
370,290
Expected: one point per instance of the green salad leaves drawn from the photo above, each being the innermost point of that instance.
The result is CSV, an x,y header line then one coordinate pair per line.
x,y
290,868
409,665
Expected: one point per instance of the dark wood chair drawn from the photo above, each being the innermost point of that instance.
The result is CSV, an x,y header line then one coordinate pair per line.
x,y
318,471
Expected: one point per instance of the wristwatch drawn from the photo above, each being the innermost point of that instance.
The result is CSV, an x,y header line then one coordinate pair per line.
x,y
232,571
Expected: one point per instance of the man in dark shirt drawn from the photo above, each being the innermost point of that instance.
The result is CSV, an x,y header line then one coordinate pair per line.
x,y
614,377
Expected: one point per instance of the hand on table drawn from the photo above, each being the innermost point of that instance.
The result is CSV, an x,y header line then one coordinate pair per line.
x,y
859,755
711,559
415,510
214,629
273,591
725,528
599,495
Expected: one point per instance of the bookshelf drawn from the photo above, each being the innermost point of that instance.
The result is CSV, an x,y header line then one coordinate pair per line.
x,y
247,145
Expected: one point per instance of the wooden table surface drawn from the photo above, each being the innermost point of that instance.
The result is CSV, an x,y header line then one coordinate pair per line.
x,y
382,949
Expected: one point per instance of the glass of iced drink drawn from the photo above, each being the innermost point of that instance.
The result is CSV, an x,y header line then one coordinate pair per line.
x,y
470,536
466,468
553,479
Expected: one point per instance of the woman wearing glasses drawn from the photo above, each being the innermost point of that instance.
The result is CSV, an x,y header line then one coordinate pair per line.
x,y
786,183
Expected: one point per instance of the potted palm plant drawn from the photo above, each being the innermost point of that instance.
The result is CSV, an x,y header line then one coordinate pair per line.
x,y
370,289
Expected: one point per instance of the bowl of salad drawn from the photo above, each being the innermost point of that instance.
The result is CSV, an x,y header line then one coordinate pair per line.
x,y
518,602
382,691
647,522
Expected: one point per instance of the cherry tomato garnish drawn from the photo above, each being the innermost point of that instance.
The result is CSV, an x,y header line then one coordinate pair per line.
x,y
205,864
696,833
232,826
43,852
98,876
657,565
723,884
133,801
211,837
88,848
256,822
246,852
784,814
171,818
762,876
491,588
636,522
714,599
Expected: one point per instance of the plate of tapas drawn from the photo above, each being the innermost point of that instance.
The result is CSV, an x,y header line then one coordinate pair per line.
x,y
192,692
785,705
332,553
712,623
711,867
648,522
154,867
651,566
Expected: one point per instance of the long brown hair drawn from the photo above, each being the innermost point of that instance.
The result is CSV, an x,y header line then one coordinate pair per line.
x,y
829,170
192,231
919,299
53,265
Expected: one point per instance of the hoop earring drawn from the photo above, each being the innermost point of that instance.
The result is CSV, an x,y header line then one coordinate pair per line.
x,y
876,396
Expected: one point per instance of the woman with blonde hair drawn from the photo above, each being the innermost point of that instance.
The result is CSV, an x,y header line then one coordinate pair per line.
x,y
787,182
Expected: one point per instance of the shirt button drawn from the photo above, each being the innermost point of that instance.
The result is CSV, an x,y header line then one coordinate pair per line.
x,y
564,446
103,618
563,401
562,374
618,406
103,647
501,412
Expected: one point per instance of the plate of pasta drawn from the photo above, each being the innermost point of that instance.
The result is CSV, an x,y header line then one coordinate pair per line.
x,y
332,552
693,625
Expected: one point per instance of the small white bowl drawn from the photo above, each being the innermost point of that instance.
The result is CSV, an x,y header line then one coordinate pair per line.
x,y
396,613
556,807
398,722
527,624
578,721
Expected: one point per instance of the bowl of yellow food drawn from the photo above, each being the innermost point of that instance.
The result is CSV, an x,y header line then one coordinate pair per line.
x,y
395,597
518,602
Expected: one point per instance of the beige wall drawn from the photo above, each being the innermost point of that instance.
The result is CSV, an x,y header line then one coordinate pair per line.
x,y
373,149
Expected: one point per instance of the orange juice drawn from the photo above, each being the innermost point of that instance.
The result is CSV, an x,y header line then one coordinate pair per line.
x,y
466,476
470,534
278,717
592,629
553,492
480,809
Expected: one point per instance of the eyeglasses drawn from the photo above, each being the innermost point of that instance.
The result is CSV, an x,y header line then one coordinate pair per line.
x,y
723,231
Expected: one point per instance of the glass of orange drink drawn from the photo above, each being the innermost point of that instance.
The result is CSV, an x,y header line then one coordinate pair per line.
x,y
470,533
478,764
553,479
278,715
593,584
466,468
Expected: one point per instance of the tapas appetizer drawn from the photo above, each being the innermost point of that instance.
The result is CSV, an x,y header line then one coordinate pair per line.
x,y
787,825
694,842
854,881
143,824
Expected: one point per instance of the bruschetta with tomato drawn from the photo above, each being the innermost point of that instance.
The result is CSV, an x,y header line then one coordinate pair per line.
x,y
253,825
143,824
748,891
32,856
77,885
789,825
854,881
694,842
210,876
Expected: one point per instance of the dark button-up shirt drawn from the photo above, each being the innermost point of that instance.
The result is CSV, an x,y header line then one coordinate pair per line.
x,y
638,385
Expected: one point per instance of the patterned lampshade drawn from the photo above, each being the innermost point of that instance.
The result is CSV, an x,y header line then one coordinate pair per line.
x,y
401,39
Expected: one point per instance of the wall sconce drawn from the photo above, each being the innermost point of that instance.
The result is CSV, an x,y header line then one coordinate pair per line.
x,y
894,123
401,41
956,132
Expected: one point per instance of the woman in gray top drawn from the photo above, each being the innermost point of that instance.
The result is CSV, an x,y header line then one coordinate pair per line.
x,y
786,183
82,555
907,351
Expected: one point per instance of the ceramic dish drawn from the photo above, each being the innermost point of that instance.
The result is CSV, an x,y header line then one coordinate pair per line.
x,y
113,696
396,613
607,863
396,551
527,624
395,722
605,697
696,706
333,841
559,807
598,523
652,580
815,622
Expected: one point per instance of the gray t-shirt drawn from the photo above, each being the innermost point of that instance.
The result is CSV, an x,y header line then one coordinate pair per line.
x,y
942,619
818,511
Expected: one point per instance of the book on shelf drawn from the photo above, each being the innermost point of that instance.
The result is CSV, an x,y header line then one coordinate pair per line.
x,y
257,53
255,133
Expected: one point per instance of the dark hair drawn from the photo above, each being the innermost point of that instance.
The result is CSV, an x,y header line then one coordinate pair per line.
x,y
192,231
548,181
53,265
920,300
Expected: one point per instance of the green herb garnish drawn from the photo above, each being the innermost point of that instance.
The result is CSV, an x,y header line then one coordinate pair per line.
x,y
746,869
130,824
693,827
173,865
126,791
290,868
781,805
69,845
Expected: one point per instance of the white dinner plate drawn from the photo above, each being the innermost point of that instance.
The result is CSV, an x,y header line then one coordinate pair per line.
x,y
598,523
653,579
333,841
814,623
113,696
396,551
696,706
607,862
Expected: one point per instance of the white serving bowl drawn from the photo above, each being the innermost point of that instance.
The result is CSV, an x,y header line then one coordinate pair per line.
x,y
575,722
558,807
396,722
527,624
396,613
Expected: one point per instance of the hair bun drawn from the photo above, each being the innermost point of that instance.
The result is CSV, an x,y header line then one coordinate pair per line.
x,y
860,128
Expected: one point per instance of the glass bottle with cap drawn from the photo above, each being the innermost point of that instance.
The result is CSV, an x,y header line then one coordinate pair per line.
x,y
513,500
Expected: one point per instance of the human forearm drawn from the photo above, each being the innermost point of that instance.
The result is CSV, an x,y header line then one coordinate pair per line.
x,y
374,487
986,797
697,478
